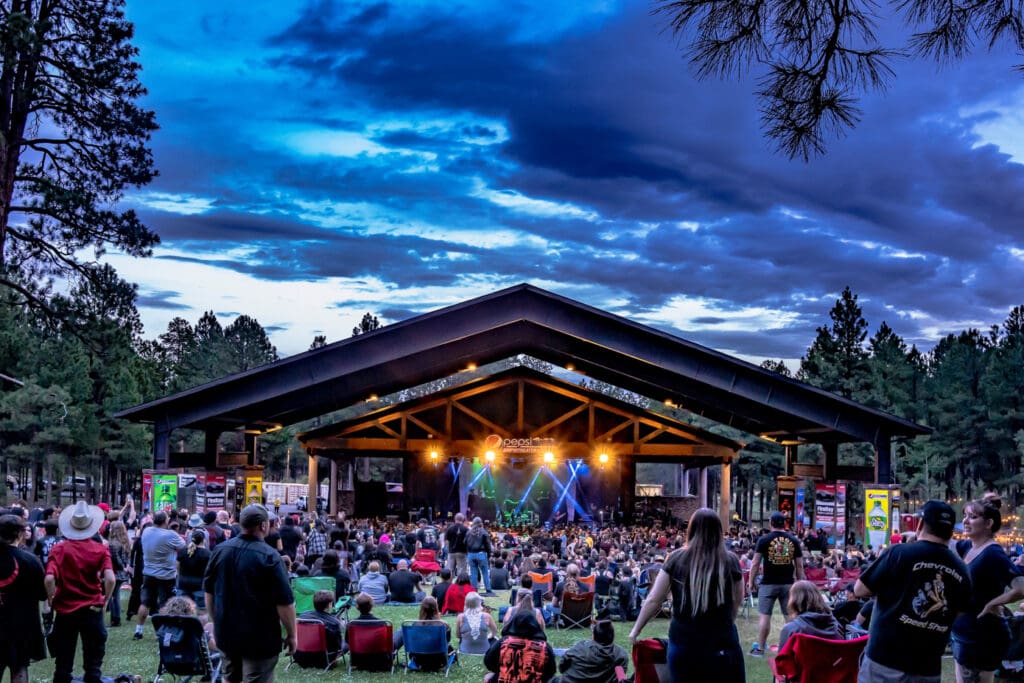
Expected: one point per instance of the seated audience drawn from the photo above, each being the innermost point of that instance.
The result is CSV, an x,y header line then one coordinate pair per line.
x,y
428,614
499,576
812,614
181,606
374,584
441,587
455,597
594,661
476,628
522,654
330,565
322,601
405,584
524,605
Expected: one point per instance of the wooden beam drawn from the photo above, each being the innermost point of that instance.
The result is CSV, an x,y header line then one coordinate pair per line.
x,y
808,471
559,420
494,427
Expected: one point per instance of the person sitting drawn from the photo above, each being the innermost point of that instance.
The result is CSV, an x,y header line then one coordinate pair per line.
x,y
405,585
570,584
524,604
428,615
374,584
322,601
594,661
441,587
330,565
455,597
522,654
812,614
846,613
476,628
181,606
364,606
499,576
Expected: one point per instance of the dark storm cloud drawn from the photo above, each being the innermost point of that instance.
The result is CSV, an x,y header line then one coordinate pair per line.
x,y
161,300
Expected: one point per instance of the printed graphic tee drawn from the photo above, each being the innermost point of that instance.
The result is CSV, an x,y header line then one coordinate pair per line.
x,y
919,588
778,552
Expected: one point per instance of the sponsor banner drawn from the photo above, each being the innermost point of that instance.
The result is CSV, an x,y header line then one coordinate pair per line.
x,y
876,517
165,491
830,511
495,442
253,489
799,513
214,488
787,504
147,492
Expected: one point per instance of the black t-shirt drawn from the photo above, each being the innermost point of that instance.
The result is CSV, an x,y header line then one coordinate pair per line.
x,y
192,569
248,581
499,579
21,590
778,551
403,584
427,536
991,571
717,617
439,591
290,539
455,537
919,589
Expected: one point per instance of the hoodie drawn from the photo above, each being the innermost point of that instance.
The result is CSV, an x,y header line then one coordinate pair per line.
x,y
823,625
591,662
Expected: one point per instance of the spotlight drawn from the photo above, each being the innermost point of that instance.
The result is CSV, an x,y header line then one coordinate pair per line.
x,y
603,458
489,456
549,457
434,456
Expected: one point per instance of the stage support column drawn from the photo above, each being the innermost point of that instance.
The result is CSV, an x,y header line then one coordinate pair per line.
x,y
627,478
791,458
314,481
465,475
883,460
161,448
702,487
723,504
332,494
251,444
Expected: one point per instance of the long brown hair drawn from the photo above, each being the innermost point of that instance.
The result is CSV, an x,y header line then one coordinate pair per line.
x,y
428,608
117,533
708,559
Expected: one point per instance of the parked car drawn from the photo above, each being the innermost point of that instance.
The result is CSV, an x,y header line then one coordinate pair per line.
x,y
302,504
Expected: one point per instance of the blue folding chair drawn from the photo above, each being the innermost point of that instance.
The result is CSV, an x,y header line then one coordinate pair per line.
x,y
426,643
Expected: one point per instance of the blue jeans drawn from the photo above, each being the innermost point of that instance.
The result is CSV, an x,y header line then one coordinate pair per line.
x,y
478,561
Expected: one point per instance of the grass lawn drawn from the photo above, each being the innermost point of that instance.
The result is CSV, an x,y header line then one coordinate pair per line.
x,y
139,657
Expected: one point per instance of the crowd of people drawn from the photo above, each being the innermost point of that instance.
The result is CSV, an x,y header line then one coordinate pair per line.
x,y
914,598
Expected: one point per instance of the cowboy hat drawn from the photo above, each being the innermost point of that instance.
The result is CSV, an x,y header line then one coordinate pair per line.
x,y
81,521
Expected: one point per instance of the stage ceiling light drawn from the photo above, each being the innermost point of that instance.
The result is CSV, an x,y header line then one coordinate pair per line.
x,y
549,457
489,456
603,458
434,455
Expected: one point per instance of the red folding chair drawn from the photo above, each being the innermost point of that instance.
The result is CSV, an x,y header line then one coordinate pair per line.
x,y
425,563
311,649
587,583
818,576
810,659
650,661
371,645
846,577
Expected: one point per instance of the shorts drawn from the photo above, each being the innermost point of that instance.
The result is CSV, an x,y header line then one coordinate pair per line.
x,y
13,656
987,650
155,592
767,594
873,672
237,669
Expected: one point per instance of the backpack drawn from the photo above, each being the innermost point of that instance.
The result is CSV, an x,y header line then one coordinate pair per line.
x,y
475,540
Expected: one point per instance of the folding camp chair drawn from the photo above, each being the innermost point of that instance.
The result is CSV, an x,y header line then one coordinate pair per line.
x,y
749,596
541,583
425,563
304,587
818,576
810,659
371,645
426,642
577,610
183,649
311,649
587,583
650,661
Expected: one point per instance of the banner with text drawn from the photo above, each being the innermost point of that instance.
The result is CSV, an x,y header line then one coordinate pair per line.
x,y
876,517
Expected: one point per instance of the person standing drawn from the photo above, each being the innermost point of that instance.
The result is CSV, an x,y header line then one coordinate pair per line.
x,y
160,548
21,590
250,600
120,549
779,552
79,581
706,586
478,549
919,589
455,539
980,641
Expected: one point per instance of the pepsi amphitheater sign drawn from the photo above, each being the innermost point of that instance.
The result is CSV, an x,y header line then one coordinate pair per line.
x,y
526,445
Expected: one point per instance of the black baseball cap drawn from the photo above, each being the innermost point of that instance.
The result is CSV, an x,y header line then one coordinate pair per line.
x,y
778,520
939,517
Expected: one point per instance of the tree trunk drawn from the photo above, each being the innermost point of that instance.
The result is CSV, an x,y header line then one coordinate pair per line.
x,y
49,479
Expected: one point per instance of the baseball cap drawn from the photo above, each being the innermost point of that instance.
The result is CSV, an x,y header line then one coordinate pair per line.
x,y
253,515
939,517
778,520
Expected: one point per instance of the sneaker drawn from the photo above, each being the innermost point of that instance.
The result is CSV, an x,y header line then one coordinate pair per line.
x,y
137,636
756,651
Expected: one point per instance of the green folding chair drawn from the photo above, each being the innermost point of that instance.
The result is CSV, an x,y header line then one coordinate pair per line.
x,y
303,587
